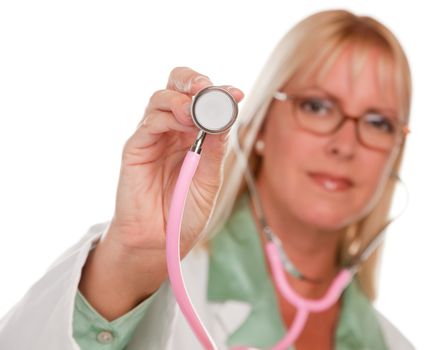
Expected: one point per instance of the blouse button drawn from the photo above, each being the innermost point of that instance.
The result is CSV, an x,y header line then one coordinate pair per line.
x,y
105,337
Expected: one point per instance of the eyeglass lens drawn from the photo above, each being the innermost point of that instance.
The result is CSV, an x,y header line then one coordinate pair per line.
x,y
324,116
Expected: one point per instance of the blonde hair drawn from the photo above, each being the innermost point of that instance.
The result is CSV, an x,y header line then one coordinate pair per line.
x,y
311,47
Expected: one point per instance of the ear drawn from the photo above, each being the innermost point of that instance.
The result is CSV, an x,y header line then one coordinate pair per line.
x,y
262,132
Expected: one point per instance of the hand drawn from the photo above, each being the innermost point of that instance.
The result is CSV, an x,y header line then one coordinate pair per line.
x,y
151,161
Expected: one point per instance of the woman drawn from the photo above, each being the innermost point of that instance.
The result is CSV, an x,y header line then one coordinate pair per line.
x,y
325,185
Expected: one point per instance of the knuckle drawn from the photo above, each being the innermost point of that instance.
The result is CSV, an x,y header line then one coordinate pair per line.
x,y
177,71
177,107
182,78
126,147
176,100
147,120
200,77
156,95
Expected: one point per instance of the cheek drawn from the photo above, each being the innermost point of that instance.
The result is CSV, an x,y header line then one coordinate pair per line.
x,y
287,152
373,178
288,156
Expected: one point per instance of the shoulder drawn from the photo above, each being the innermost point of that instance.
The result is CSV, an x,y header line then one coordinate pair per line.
x,y
395,340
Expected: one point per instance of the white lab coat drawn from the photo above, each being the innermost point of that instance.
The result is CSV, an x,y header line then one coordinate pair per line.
x,y
42,320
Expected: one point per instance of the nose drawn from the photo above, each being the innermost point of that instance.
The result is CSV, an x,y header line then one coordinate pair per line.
x,y
344,141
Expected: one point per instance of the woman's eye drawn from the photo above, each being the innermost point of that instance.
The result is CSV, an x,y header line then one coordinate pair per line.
x,y
315,106
379,123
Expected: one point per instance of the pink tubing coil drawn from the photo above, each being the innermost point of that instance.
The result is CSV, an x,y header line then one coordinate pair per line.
x,y
304,306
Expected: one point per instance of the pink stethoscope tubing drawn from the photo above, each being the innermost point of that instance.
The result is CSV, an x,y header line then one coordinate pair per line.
x,y
173,227
304,306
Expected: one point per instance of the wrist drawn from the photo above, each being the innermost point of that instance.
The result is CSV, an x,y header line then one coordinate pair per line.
x,y
120,272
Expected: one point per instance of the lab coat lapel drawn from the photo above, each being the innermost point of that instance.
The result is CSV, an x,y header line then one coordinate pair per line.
x,y
220,317
239,281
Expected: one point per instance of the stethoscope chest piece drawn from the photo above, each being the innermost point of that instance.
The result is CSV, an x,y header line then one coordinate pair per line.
x,y
214,110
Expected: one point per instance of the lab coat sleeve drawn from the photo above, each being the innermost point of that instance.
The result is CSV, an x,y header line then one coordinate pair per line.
x,y
43,318
92,331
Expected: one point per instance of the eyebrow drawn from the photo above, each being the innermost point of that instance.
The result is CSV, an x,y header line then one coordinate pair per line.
x,y
383,111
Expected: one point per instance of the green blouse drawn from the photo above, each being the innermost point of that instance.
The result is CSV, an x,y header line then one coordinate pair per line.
x,y
237,271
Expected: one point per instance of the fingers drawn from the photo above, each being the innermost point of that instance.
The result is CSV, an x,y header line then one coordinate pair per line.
x,y
180,104
236,93
160,122
187,81
170,109
156,123
171,101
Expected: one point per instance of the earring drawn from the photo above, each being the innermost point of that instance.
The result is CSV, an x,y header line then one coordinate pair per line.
x,y
259,146
354,247
354,242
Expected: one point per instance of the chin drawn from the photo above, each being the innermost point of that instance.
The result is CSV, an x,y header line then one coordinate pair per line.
x,y
328,219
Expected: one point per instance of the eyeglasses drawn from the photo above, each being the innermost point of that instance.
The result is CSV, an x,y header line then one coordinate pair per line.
x,y
324,116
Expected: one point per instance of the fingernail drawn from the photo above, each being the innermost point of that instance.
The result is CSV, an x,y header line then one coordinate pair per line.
x,y
202,79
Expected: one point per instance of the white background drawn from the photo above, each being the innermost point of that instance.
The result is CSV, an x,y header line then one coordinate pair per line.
x,y
75,78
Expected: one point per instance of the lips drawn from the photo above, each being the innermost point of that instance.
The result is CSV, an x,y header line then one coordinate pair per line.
x,y
331,183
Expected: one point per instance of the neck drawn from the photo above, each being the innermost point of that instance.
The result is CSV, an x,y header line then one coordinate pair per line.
x,y
312,250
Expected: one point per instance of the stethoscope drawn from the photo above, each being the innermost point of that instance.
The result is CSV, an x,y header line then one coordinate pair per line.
x,y
214,111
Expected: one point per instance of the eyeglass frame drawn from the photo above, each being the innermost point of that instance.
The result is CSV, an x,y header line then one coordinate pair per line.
x,y
405,130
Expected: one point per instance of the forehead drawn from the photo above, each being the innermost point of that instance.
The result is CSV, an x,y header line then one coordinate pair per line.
x,y
360,78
